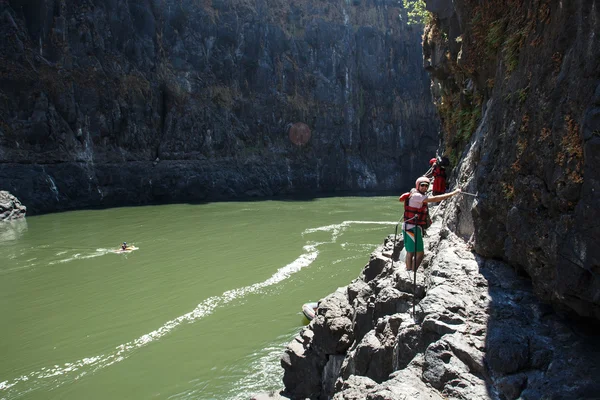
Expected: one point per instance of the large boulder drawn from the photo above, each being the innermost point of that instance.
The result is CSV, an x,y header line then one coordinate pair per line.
x,y
10,207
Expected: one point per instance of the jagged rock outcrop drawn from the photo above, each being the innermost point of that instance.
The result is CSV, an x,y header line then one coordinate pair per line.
x,y
10,207
478,332
109,103
517,85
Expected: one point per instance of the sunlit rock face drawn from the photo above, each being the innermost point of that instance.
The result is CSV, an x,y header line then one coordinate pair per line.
x,y
109,103
517,87
462,327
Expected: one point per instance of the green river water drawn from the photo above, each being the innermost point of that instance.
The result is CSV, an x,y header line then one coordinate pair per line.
x,y
202,310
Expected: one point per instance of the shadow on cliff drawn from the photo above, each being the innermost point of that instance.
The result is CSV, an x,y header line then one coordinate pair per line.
x,y
530,350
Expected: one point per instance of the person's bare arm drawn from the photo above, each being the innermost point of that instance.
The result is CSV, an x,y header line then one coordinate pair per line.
x,y
440,197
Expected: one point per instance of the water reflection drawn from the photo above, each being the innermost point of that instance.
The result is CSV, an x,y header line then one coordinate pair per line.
x,y
12,230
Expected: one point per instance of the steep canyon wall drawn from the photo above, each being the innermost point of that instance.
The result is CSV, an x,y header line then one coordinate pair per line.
x,y
107,103
517,85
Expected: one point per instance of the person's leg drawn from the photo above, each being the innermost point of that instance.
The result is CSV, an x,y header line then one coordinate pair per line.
x,y
419,258
419,247
409,246
409,260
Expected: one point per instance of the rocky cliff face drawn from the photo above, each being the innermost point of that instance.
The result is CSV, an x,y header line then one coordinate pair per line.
x,y
517,85
109,103
477,332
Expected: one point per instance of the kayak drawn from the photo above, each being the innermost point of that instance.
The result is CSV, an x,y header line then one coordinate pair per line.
x,y
129,249
309,310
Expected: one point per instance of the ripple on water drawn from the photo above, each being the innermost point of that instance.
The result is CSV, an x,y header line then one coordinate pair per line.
x,y
58,375
262,370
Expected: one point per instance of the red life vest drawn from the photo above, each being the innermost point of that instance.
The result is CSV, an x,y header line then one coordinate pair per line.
x,y
422,214
439,180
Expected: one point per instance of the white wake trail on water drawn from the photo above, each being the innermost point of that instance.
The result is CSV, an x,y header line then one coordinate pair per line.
x,y
80,256
121,352
34,262
82,367
337,229
265,371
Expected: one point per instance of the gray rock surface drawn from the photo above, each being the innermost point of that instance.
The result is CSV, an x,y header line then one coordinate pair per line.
x,y
518,91
479,332
122,103
10,207
509,294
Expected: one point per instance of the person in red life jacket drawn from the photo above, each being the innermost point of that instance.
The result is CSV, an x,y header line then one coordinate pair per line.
x,y
416,219
438,172
429,173
432,163
439,180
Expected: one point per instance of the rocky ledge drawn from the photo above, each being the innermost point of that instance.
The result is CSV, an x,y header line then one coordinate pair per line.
x,y
10,207
478,332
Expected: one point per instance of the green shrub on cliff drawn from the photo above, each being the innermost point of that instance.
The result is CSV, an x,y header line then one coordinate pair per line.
x,y
416,12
